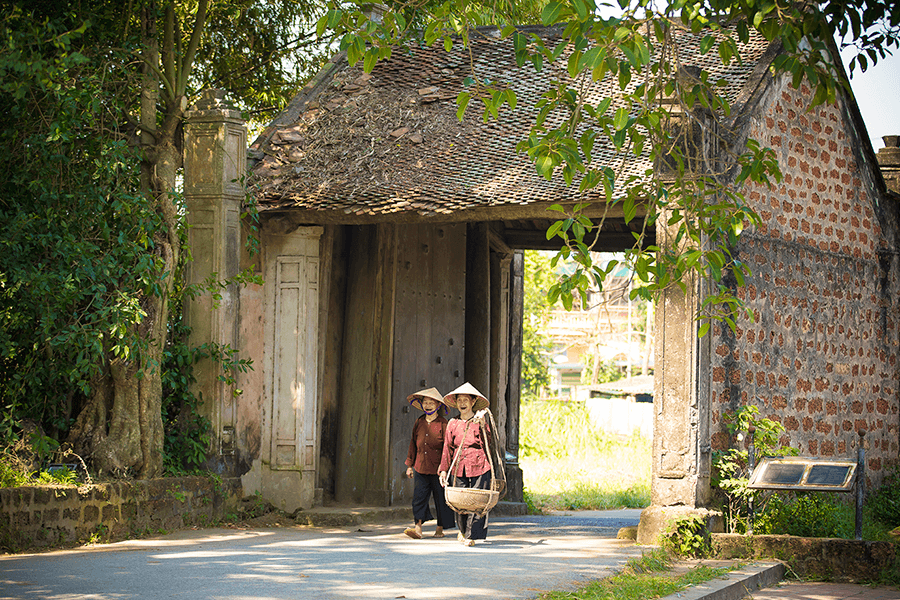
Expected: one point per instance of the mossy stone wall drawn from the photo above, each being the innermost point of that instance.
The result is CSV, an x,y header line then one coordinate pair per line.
x,y
43,516
828,559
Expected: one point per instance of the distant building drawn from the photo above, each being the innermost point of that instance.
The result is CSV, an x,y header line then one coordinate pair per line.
x,y
610,329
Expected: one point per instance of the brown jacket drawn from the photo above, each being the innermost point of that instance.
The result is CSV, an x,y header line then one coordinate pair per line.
x,y
426,445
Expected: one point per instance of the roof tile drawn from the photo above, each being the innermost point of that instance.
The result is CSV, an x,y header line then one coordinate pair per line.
x,y
389,143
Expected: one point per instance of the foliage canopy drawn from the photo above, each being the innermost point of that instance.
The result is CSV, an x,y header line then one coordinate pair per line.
x,y
657,105
93,94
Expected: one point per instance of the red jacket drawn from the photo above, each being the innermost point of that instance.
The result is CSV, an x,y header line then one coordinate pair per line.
x,y
473,460
426,445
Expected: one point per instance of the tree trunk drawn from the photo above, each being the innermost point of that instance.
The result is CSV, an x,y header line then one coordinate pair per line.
x,y
120,429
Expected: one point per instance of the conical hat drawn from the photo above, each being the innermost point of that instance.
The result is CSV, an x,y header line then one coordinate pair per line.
x,y
416,398
468,389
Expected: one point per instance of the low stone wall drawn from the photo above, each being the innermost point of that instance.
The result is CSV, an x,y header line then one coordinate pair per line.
x,y
818,558
41,516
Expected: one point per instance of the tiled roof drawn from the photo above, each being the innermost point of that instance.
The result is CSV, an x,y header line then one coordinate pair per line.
x,y
388,145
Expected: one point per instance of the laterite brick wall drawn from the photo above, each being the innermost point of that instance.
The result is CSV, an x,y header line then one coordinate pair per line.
x,y
40,516
821,358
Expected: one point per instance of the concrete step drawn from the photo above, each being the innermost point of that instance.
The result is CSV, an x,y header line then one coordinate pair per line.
x,y
736,585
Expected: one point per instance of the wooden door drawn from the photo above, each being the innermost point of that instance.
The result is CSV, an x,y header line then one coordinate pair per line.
x,y
429,330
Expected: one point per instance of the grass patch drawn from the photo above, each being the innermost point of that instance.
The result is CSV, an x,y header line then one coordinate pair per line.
x,y
646,577
570,464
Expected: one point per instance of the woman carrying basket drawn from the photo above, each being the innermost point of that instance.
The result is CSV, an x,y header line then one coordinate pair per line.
x,y
468,438
422,460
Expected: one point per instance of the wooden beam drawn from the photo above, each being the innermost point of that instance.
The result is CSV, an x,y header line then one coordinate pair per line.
x,y
538,210
535,239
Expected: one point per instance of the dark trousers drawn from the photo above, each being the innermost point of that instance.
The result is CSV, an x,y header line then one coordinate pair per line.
x,y
471,525
427,486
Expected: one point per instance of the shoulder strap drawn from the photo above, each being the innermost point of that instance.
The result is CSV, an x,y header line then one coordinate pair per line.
x,y
487,451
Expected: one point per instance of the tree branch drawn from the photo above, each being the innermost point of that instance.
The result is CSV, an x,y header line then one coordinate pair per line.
x,y
188,60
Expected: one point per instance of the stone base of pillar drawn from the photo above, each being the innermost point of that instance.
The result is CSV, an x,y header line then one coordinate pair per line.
x,y
515,486
224,466
656,519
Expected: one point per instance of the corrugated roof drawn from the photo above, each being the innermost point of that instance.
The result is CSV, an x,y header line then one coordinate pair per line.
x,y
388,144
641,384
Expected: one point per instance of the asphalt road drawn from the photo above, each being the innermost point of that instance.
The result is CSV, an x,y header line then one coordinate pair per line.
x,y
522,557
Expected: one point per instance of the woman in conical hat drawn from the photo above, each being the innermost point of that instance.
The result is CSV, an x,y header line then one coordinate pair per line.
x,y
468,436
423,459
480,402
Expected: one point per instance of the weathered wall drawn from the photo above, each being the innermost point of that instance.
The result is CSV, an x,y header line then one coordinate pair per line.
x,y
248,432
829,559
821,356
40,516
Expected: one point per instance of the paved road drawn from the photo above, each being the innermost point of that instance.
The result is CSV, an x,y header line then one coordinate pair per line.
x,y
522,557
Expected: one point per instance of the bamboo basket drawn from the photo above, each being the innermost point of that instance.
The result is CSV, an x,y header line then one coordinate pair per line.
x,y
471,499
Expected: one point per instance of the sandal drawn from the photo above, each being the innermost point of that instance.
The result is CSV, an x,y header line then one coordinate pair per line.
x,y
438,535
412,533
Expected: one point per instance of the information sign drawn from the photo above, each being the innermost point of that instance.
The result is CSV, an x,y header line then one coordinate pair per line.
x,y
803,473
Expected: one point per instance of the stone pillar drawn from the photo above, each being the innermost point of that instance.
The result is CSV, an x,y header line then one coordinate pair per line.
x,y
215,143
889,161
681,448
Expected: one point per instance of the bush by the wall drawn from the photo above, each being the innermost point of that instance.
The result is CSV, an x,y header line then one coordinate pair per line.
x,y
803,515
885,502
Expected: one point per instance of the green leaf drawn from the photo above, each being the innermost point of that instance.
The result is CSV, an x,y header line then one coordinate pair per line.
x,y
462,101
545,166
629,209
554,229
552,12
321,25
727,51
624,75
520,48
630,55
581,9
578,230
371,59
620,120
511,98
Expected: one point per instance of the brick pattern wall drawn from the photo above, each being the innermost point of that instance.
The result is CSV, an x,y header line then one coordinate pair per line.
x,y
38,516
821,358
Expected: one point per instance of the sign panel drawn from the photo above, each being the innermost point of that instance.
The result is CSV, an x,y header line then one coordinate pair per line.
x,y
803,474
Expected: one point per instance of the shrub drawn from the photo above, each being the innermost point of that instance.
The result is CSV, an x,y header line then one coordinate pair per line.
x,y
687,536
804,515
885,502
731,470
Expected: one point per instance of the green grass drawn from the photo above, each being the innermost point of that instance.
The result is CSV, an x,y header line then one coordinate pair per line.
x,y
646,577
569,464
